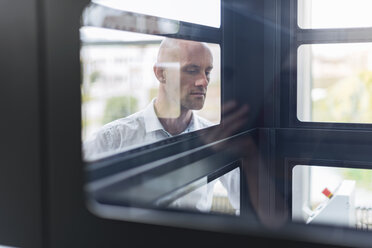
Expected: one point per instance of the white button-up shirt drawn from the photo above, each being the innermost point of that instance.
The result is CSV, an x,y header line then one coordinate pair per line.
x,y
144,128
136,130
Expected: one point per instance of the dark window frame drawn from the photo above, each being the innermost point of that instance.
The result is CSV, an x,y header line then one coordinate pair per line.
x,y
300,37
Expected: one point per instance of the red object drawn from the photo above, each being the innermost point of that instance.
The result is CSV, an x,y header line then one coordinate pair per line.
x,y
327,193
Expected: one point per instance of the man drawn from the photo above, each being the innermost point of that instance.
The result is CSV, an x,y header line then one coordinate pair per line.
x,y
183,70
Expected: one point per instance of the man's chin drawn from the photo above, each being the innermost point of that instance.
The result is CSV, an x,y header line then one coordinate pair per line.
x,y
195,104
196,107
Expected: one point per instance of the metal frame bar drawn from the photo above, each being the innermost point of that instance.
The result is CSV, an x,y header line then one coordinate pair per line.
x,y
197,163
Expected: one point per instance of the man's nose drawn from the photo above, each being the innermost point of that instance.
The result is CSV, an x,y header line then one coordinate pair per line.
x,y
202,81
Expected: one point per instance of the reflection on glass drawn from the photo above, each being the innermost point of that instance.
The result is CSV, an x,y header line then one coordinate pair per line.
x,y
330,195
138,89
334,13
100,16
206,13
335,83
221,195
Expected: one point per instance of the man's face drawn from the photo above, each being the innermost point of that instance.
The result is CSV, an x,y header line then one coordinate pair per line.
x,y
196,63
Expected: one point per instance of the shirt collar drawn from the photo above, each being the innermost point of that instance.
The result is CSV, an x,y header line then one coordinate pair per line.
x,y
152,122
195,123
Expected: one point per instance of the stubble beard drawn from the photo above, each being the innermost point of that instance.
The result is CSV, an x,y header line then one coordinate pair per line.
x,y
192,104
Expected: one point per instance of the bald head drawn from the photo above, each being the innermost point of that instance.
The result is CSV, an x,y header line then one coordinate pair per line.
x,y
174,50
183,68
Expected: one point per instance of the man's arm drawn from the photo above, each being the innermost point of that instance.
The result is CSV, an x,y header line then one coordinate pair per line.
x,y
231,182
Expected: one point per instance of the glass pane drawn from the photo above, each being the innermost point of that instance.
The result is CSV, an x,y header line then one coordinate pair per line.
x,y
207,12
221,195
335,83
334,13
138,89
330,195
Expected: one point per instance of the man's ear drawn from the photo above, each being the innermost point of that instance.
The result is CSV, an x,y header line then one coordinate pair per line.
x,y
159,73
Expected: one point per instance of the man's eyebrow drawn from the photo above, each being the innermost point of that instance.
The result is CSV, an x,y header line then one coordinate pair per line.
x,y
196,66
192,66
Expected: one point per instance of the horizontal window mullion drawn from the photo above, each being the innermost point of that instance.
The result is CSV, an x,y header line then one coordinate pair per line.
x,y
198,33
105,17
333,35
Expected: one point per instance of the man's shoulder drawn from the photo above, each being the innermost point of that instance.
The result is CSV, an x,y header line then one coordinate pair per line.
x,y
113,136
131,122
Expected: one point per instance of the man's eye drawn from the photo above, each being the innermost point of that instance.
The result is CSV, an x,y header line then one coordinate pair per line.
x,y
192,71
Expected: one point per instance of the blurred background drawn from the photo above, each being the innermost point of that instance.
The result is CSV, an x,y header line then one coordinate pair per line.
x,y
334,80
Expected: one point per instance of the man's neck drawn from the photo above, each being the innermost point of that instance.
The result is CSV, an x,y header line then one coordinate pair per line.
x,y
173,126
